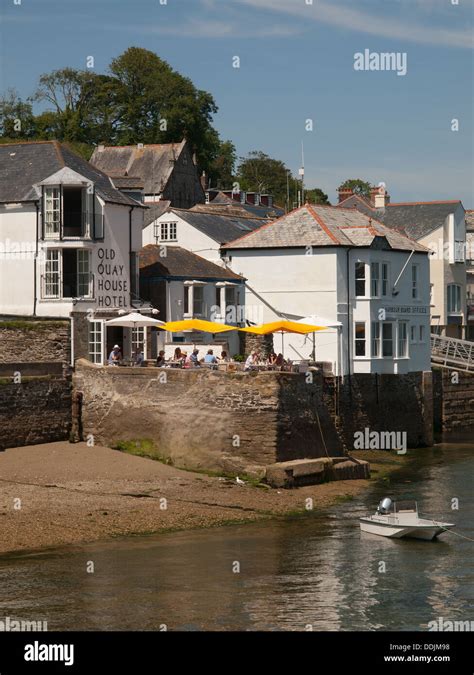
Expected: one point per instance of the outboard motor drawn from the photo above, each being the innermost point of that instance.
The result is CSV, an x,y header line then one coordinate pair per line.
x,y
384,506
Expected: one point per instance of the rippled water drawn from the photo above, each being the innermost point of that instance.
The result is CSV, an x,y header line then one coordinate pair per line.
x,y
317,570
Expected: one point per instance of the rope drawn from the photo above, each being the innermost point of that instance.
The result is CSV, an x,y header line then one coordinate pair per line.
x,y
447,529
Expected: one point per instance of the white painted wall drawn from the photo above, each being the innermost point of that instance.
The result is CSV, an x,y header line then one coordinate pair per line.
x,y
289,282
17,254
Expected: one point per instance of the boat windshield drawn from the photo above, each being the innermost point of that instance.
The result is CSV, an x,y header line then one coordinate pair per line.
x,y
405,505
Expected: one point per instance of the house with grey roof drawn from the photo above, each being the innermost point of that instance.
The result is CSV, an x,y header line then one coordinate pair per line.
x,y
184,286
440,226
69,241
201,229
367,283
470,273
156,172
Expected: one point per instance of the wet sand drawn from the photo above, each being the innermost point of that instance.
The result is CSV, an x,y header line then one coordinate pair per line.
x,y
59,493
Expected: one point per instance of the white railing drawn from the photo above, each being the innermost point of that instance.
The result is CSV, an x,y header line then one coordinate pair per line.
x,y
452,353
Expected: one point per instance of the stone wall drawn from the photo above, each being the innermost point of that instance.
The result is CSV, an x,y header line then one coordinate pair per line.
x,y
207,419
233,422
454,400
34,340
34,411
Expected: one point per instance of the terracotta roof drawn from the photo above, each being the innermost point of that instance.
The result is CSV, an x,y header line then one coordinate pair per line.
x,y
179,263
23,165
318,225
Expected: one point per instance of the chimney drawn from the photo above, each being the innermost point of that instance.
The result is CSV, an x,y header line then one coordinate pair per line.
x,y
379,197
344,193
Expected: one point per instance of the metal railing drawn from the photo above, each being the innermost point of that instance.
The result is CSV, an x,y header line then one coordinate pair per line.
x,y
452,353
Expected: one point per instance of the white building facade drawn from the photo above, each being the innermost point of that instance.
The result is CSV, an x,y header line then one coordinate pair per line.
x,y
340,265
68,242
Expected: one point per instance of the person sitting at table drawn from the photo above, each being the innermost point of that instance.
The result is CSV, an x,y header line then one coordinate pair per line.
x,y
210,358
194,357
225,358
140,356
280,361
272,358
160,359
178,354
115,356
251,362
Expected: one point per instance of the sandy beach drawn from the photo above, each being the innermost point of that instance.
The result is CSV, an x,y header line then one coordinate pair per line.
x,y
59,493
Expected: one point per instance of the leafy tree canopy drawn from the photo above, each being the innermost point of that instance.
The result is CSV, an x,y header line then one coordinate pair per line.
x,y
358,186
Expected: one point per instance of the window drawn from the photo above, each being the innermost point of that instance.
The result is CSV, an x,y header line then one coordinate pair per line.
x,y
360,339
138,340
375,339
454,298
413,333
360,279
387,339
95,341
459,255
422,333
375,279
168,231
402,339
83,273
385,278
414,282
198,301
52,274
52,212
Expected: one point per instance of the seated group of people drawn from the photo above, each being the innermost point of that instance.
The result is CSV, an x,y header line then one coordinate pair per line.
x,y
272,360
192,360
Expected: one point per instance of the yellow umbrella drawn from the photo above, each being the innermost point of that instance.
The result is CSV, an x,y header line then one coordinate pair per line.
x,y
196,324
282,326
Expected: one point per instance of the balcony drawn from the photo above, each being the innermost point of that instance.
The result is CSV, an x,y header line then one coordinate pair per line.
x,y
75,225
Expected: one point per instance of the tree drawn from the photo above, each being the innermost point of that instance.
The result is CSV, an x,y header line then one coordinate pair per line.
x,y
16,117
260,173
221,171
316,196
358,186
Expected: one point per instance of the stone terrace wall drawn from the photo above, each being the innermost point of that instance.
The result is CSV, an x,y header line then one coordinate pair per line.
x,y
31,340
35,411
207,419
454,400
221,421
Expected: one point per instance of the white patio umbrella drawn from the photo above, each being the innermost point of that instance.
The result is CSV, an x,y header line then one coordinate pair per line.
x,y
315,320
134,320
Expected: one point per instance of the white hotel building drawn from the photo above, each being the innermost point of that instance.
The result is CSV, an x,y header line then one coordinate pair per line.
x,y
370,281
69,242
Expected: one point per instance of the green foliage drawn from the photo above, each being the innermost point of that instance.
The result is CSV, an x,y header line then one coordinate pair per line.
x,y
142,447
239,358
260,173
16,117
32,325
358,186
316,196
222,169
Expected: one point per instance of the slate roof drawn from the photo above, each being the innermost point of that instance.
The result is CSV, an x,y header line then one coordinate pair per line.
x,y
226,205
316,225
23,165
155,210
128,182
218,227
415,219
153,163
181,263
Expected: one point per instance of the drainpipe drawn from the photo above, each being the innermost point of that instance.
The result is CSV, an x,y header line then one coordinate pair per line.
x,y
35,259
130,251
349,317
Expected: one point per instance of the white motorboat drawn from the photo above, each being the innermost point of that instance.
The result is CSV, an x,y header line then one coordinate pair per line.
x,y
400,519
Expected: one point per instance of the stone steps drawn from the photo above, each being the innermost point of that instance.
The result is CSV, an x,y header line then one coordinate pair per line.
x,y
299,472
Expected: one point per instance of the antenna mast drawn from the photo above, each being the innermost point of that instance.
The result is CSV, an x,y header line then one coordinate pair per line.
x,y
301,172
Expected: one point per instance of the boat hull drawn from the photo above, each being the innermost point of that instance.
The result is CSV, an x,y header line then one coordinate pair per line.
x,y
426,532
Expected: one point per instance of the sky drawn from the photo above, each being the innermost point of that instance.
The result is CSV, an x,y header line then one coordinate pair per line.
x,y
297,63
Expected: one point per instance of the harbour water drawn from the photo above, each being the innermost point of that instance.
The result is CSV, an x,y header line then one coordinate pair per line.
x,y
314,572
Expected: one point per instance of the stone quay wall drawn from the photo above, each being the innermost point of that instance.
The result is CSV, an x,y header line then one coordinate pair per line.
x,y
453,400
214,420
35,341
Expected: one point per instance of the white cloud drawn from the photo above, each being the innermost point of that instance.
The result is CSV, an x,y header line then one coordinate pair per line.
x,y
374,23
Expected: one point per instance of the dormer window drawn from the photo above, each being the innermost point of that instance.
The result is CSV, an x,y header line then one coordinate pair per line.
x,y
52,212
71,212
